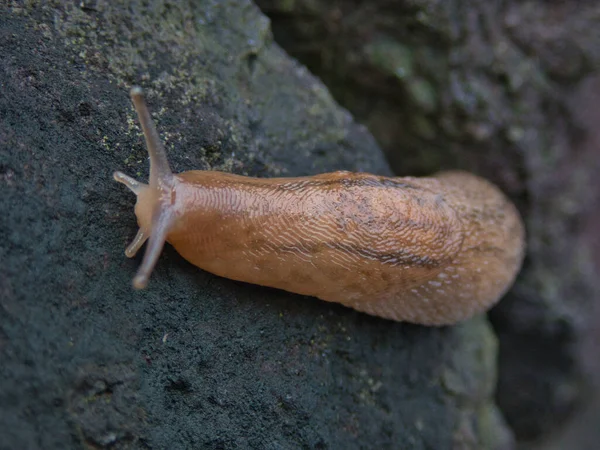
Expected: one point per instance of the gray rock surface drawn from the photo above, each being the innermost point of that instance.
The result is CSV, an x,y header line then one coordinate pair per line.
x,y
193,361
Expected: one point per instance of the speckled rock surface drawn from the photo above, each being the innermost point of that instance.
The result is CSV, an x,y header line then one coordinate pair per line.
x,y
194,361
511,91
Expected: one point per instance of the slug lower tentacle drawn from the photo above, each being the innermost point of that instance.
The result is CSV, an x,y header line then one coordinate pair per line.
x,y
431,250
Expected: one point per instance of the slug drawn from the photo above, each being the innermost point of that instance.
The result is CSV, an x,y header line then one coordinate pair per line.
x,y
432,250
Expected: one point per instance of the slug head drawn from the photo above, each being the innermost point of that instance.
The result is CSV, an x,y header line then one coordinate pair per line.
x,y
154,206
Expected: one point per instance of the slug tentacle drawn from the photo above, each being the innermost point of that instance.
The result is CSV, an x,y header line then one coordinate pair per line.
x,y
134,185
159,165
154,200
139,239
160,228
137,188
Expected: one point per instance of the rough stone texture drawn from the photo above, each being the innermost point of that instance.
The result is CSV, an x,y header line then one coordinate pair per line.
x,y
510,90
194,361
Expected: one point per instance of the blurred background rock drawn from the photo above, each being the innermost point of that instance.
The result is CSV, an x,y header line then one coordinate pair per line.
x,y
509,90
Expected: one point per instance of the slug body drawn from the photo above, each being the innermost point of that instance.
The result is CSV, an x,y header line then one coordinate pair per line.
x,y
432,250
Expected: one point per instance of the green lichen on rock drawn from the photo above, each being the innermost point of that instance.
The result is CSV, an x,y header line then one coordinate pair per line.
x,y
470,378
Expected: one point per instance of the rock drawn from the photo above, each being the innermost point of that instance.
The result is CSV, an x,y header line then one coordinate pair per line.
x,y
193,361
510,91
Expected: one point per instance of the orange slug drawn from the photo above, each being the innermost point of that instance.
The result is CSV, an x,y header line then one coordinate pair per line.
x,y
432,251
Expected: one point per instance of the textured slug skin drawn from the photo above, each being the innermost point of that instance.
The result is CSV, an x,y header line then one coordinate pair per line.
x,y
432,250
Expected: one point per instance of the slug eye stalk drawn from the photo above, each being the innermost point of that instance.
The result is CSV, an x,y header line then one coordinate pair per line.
x,y
153,207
